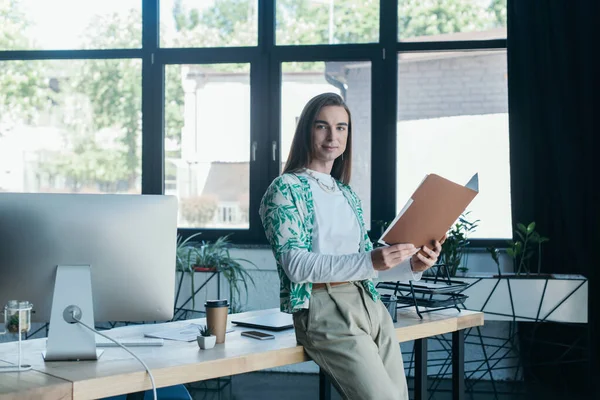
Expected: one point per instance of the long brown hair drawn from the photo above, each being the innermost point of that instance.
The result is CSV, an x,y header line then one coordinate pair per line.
x,y
301,151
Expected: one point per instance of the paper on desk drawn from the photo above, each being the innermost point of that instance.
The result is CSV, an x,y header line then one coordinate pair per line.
x,y
187,333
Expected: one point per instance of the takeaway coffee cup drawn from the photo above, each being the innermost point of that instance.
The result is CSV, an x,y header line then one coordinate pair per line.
x,y
216,318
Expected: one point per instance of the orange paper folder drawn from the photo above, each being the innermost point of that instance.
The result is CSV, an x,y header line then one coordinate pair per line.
x,y
430,212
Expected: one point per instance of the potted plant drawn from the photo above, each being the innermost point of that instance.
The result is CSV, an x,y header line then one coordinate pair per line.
x,y
528,299
206,340
457,240
523,250
185,256
453,249
12,324
203,256
527,294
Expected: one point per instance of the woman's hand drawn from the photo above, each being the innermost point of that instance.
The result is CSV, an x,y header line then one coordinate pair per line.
x,y
422,262
385,258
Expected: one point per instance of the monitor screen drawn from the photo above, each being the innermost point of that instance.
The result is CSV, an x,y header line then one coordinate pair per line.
x,y
129,242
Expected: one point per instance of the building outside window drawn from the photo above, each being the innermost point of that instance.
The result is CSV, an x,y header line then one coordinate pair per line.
x,y
220,129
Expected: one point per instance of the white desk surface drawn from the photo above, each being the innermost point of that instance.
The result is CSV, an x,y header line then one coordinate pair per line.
x,y
33,385
117,372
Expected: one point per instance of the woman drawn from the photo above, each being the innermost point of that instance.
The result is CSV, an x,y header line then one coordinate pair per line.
x,y
313,220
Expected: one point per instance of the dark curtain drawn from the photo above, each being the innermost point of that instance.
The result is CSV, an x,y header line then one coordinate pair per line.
x,y
553,84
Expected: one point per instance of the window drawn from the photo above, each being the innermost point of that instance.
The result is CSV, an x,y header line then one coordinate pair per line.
x,y
70,24
208,23
207,143
453,121
327,21
351,80
228,214
434,20
204,108
70,126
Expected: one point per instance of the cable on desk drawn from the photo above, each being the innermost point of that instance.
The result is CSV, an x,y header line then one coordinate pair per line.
x,y
76,318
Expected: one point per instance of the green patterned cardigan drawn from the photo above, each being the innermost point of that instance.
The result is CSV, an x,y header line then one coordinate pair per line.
x,y
287,214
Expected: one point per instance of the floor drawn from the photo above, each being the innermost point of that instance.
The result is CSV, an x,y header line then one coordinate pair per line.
x,y
291,386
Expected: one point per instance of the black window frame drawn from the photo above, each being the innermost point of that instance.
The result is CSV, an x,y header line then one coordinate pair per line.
x,y
265,98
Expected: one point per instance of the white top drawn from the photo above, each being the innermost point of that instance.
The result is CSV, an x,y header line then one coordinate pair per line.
x,y
335,255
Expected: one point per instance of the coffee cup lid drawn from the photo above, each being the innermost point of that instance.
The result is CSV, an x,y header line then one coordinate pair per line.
x,y
216,303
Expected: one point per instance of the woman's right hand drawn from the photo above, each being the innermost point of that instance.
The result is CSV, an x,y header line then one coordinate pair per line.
x,y
388,257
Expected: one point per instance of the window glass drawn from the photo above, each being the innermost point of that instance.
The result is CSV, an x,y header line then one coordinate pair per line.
x,y
207,144
435,20
70,126
70,24
327,21
351,80
208,23
453,121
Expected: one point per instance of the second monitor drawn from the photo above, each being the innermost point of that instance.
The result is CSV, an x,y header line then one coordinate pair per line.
x,y
128,242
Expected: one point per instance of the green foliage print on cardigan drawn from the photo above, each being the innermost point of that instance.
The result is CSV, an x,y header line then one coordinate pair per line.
x,y
287,214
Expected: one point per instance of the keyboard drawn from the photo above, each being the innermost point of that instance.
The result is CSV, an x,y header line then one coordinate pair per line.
x,y
129,342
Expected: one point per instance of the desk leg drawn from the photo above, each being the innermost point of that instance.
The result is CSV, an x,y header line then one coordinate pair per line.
x,y
135,396
324,386
458,365
421,369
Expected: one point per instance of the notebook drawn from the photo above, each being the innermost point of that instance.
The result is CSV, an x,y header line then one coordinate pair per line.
x,y
272,322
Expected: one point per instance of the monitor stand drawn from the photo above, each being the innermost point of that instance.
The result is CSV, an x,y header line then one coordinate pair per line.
x,y
68,340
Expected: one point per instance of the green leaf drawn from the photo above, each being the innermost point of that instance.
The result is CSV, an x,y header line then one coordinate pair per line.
x,y
495,253
521,236
518,246
531,227
522,228
528,254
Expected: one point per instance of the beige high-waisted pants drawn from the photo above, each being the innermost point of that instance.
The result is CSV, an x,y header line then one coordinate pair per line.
x,y
352,339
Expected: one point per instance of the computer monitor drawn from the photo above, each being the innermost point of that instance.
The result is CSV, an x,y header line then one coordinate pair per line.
x,y
125,244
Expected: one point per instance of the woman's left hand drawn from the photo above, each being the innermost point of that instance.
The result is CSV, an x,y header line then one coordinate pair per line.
x,y
420,262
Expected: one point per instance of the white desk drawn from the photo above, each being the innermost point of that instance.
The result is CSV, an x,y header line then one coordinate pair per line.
x,y
180,362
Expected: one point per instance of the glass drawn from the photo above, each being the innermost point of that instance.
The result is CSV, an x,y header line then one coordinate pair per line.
x,y
17,316
327,21
208,23
302,81
70,126
453,121
70,24
207,144
446,20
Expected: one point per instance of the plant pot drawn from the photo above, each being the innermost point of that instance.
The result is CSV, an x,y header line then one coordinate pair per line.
x,y
206,342
528,298
198,268
532,275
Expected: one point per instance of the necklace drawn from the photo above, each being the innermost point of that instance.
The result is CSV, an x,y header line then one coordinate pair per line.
x,y
324,186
